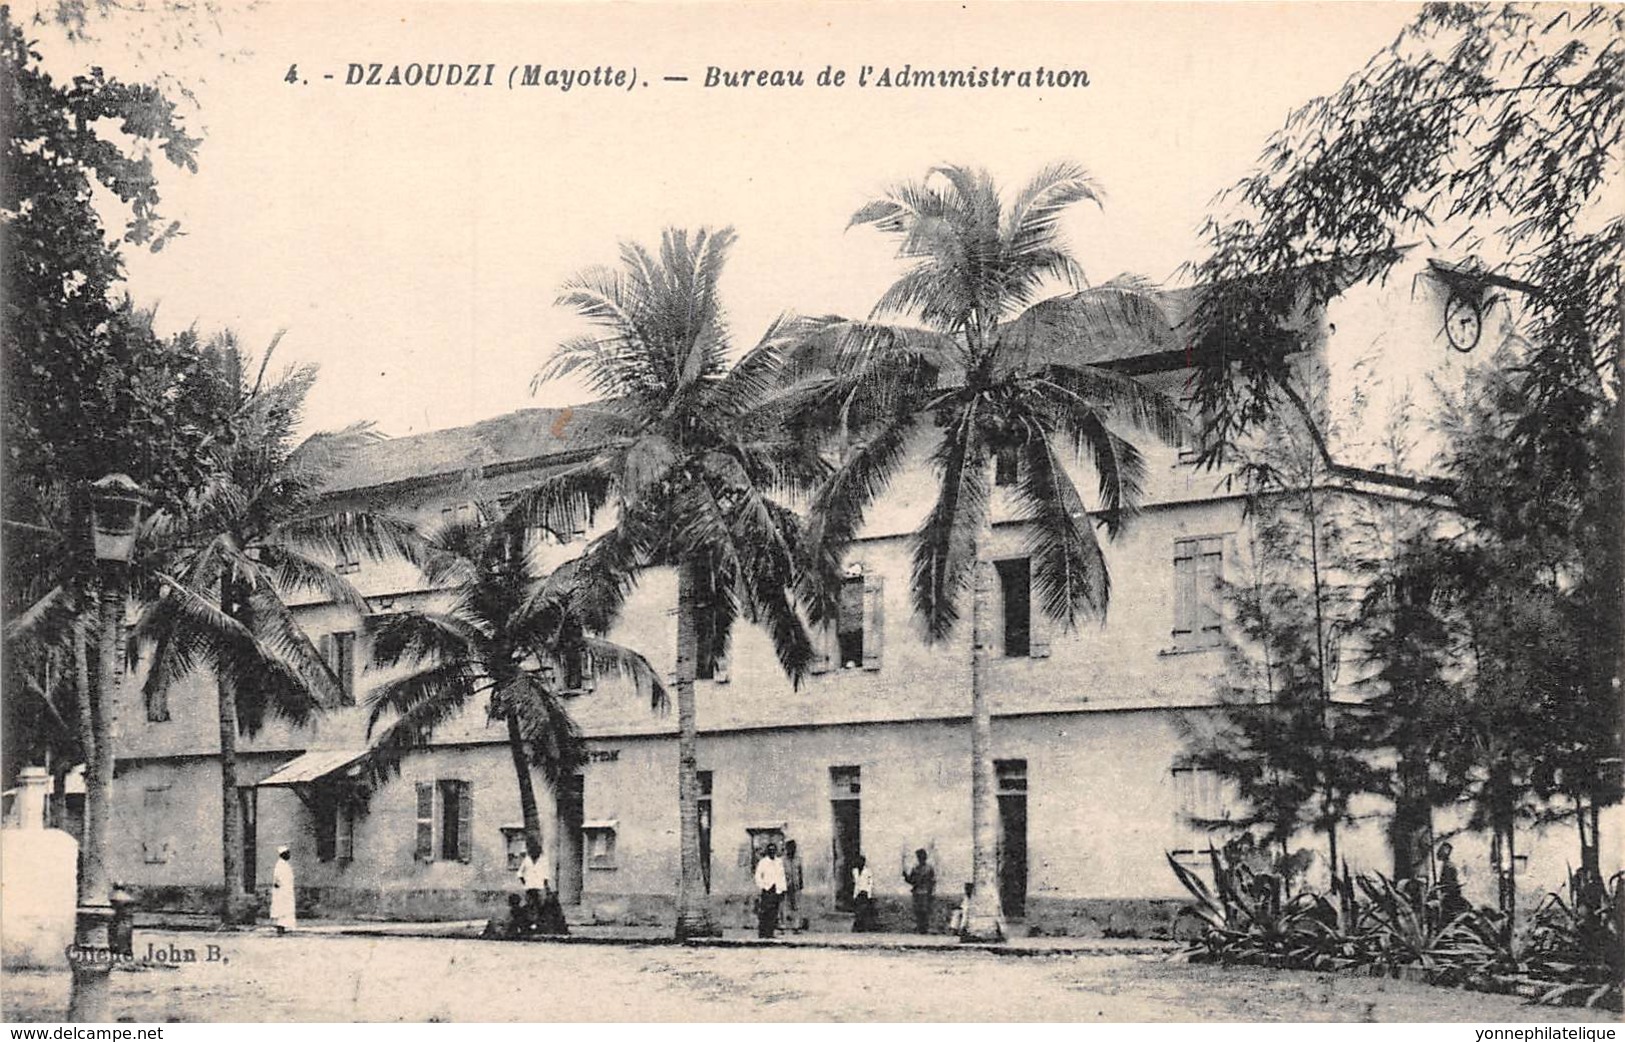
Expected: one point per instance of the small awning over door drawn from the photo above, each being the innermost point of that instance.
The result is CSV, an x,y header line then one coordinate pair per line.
x,y
315,766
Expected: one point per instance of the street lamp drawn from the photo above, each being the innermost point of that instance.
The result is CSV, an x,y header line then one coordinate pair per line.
x,y
116,503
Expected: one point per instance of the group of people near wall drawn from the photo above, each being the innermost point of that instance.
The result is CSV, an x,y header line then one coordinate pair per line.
x,y
779,884
538,913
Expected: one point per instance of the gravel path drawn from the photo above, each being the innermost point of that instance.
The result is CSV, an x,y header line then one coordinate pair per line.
x,y
336,978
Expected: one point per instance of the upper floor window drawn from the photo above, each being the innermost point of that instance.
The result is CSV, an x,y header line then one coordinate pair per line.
x,y
349,562
852,640
849,626
156,697
1006,467
459,513
1015,594
1198,570
707,645
338,649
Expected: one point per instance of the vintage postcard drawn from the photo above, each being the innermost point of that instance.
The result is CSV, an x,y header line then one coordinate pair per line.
x,y
737,512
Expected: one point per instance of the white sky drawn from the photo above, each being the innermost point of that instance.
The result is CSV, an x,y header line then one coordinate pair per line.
x,y
412,240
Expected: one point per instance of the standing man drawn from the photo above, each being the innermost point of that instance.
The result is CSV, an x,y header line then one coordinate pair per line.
x,y
922,885
792,886
770,888
283,911
531,880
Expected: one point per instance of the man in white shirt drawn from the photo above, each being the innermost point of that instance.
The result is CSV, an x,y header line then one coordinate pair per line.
x,y
770,886
532,879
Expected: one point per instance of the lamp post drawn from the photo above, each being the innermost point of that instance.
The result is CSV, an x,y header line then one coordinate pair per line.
x,y
116,503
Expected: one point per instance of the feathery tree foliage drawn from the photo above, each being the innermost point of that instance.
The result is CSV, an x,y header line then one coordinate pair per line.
x,y
1295,752
503,631
695,466
997,363
1496,125
1493,132
255,536
89,391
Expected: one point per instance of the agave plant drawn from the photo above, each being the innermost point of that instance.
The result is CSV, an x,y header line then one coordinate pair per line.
x,y
1254,917
1576,947
1405,924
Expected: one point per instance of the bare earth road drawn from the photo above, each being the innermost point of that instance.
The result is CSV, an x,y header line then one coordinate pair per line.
x,y
338,978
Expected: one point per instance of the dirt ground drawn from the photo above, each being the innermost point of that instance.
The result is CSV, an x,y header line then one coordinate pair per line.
x,y
335,978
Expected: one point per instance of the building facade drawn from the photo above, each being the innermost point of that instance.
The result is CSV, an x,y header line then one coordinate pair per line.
x,y
870,754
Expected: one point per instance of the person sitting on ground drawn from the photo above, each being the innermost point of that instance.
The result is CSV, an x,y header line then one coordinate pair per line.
x,y
961,919
547,914
956,924
507,927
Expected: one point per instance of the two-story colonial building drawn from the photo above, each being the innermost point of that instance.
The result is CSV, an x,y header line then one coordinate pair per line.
x,y
870,754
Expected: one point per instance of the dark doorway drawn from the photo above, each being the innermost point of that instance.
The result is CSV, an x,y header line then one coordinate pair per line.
x,y
1012,837
248,812
705,827
846,833
571,814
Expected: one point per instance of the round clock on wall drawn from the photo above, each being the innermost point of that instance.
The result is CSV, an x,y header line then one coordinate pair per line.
x,y
1463,322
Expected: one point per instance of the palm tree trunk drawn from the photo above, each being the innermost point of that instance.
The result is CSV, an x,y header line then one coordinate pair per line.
x,y
984,917
235,907
234,904
528,812
693,905
89,998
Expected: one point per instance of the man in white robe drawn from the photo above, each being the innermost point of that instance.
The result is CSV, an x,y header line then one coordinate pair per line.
x,y
283,913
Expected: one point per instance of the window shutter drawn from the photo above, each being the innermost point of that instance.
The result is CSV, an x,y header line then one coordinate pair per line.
x,y
1184,586
465,822
821,637
425,834
874,621
1038,629
589,674
344,665
1209,570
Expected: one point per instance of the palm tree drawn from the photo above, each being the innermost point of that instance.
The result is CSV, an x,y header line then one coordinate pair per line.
x,y
691,458
257,534
992,367
505,631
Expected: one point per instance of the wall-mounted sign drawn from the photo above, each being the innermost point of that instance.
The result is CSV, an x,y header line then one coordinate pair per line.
x,y
603,755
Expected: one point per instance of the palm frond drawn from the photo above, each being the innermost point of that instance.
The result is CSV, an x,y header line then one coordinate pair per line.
x,y
426,636
945,545
608,657
292,573
1068,568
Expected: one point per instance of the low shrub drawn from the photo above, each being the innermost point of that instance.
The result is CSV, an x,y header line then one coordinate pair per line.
x,y
1573,953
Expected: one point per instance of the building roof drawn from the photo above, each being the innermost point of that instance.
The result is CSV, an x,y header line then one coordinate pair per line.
x,y
512,438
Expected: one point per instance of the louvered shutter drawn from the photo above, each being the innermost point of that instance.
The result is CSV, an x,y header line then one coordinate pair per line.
x,y
1184,586
465,822
1209,570
425,822
1038,628
874,621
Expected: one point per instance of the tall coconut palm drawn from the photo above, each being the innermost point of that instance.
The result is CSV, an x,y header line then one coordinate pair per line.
x,y
692,461
991,365
502,630
257,535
